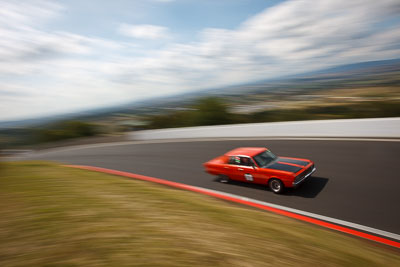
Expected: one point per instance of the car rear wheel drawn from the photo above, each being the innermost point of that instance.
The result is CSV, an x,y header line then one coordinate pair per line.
x,y
224,179
276,186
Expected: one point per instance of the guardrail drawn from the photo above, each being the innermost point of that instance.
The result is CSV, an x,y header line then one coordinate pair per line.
x,y
361,128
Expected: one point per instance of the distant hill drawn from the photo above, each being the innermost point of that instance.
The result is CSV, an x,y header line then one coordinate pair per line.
x,y
325,77
359,66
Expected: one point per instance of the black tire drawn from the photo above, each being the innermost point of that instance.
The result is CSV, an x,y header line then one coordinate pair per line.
x,y
223,179
276,186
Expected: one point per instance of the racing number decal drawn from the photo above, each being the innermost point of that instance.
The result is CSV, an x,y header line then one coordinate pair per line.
x,y
248,177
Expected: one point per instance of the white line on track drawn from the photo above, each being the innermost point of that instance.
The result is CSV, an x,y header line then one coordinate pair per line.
x,y
312,215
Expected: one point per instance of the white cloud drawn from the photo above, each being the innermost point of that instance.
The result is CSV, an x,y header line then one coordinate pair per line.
x,y
293,37
144,31
44,72
24,13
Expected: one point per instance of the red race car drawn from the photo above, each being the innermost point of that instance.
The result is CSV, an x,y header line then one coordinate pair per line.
x,y
260,166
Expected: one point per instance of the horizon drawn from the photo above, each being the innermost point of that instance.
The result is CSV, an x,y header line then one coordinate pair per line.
x,y
62,58
198,93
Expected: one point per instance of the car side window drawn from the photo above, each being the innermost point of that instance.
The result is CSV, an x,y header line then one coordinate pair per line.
x,y
242,161
245,161
235,160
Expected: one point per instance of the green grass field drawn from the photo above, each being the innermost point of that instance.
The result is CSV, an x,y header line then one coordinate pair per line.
x,y
58,216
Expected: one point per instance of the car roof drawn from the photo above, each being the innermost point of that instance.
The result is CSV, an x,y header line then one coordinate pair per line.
x,y
246,151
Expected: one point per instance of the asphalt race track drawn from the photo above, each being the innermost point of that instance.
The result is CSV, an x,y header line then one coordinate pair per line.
x,y
355,181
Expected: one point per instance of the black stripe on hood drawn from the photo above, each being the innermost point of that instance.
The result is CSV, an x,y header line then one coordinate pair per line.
x,y
294,161
284,167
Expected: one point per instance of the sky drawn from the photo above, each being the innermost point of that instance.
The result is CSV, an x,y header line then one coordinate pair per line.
x,y
65,56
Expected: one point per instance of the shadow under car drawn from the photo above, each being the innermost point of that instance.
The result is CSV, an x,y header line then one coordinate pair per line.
x,y
308,189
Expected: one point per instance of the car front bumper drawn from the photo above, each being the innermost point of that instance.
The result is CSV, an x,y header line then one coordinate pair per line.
x,y
296,183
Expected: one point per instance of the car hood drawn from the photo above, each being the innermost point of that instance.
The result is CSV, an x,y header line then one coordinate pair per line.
x,y
288,164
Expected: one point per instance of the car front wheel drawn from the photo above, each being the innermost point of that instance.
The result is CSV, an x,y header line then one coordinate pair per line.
x,y
276,186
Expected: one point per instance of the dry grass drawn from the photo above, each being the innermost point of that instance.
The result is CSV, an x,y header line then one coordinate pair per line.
x,y
52,215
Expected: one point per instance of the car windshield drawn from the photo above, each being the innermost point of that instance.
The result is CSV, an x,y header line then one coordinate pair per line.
x,y
265,158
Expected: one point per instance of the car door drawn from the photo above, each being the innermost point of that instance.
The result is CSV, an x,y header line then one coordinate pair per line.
x,y
252,173
247,173
241,169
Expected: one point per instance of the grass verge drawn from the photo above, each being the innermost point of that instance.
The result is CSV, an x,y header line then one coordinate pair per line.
x,y
53,215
